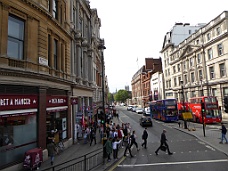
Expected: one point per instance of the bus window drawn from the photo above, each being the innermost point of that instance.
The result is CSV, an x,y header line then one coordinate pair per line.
x,y
171,112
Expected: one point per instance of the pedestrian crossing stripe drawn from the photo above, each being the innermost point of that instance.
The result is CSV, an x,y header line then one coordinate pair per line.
x,y
175,163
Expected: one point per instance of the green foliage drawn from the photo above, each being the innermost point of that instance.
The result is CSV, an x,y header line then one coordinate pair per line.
x,y
121,96
110,98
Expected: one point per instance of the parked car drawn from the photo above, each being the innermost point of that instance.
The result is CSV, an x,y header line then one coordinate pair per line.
x,y
129,107
139,110
145,121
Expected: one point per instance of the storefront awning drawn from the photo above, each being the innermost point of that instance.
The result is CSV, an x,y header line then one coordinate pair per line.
x,y
17,112
56,109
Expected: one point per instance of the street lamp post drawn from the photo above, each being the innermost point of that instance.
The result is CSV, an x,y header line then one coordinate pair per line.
x,y
102,47
182,92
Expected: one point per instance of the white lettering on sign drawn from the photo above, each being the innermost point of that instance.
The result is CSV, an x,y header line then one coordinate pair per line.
x,y
4,102
24,101
17,102
57,101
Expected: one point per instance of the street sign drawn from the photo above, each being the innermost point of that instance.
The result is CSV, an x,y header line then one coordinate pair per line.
x,y
187,115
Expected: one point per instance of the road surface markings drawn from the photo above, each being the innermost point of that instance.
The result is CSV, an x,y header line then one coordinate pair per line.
x,y
175,163
210,147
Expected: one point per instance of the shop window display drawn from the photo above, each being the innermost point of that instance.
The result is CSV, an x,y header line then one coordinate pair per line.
x,y
57,125
17,135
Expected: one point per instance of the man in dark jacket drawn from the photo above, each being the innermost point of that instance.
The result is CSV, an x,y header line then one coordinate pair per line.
x,y
223,131
144,137
163,141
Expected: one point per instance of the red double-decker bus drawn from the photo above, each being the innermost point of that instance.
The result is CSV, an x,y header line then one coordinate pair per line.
x,y
212,113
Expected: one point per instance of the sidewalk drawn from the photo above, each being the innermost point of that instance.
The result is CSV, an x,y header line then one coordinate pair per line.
x,y
80,149
212,134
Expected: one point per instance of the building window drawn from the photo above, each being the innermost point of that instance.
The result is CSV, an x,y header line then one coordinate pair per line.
x,y
192,77
220,49
190,31
210,54
193,94
197,41
178,67
185,79
200,74
184,65
49,50
179,79
168,72
218,31
15,44
55,51
191,62
225,91
222,70
175,81
199,58
211,71
174,69
214,92
208,36
55,9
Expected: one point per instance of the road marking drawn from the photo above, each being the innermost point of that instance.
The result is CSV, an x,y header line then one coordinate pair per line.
x,y
175,163
210,147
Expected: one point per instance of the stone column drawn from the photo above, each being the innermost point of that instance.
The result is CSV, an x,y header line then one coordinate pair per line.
x,y
41,118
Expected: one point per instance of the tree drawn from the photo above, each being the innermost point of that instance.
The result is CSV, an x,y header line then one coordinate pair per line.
x,y
110,98
121,96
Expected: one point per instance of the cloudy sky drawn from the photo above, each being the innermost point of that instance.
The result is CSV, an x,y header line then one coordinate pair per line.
x,y
135,29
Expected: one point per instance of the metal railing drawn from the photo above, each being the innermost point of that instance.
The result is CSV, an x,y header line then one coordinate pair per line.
x,y
86,162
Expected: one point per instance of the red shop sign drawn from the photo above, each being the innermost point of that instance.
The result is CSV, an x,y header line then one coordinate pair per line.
x,y
15,102
54,101
74,100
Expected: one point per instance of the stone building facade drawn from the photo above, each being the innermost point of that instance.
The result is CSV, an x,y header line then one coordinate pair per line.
x,y
200,62
50,72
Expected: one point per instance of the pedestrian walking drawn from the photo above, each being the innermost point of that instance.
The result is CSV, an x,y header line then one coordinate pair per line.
x,y
108,147
115,148
163,142
133,140
144,137
223,131
127,144
92,136
51,151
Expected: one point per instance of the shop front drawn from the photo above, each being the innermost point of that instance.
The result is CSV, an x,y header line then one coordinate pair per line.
x,y
56,118
18,126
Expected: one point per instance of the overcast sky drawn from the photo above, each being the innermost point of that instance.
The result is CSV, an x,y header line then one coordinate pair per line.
x,y
135,29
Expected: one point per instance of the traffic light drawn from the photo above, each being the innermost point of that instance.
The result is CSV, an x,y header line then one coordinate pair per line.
x,y
226,104
203,108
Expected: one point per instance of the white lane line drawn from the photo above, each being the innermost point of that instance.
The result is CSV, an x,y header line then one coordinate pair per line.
x,y
175,163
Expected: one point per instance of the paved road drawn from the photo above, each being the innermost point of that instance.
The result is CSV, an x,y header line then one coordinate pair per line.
x,y
191,149
79,149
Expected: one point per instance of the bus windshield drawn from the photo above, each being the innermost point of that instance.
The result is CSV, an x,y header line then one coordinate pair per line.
x,y
171,112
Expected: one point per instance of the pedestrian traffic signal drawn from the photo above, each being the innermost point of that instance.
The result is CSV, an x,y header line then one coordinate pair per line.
x,y
226,104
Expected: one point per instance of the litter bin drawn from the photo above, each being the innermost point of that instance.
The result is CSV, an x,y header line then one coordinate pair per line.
x,y
33,159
